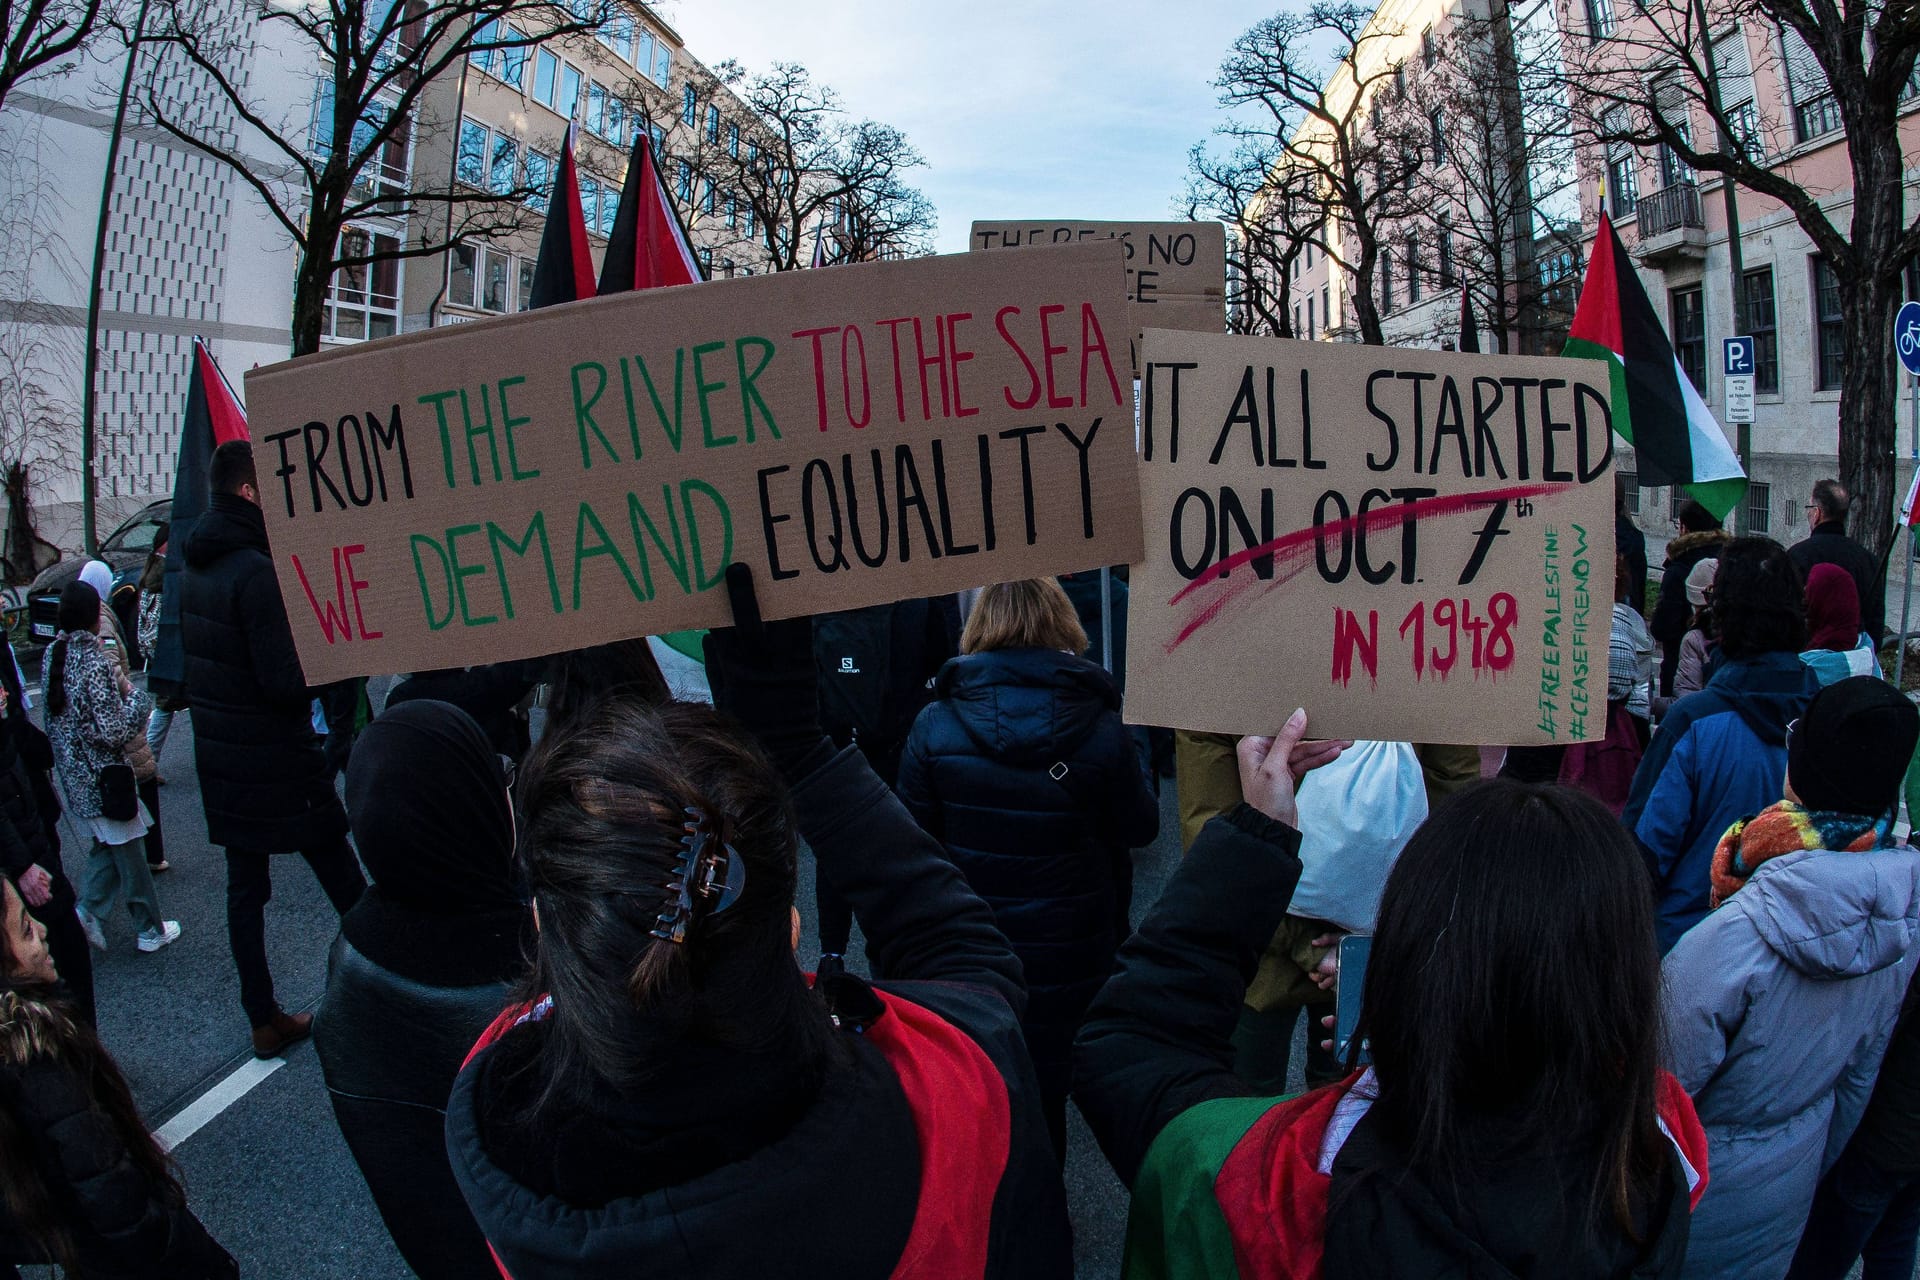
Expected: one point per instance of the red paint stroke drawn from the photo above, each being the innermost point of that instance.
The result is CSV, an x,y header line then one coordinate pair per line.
x,y
1292,552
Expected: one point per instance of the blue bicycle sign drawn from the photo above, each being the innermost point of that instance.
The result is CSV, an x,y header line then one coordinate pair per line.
x,y
1906,337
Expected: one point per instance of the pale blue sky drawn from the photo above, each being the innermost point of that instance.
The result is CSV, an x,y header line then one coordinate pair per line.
x,y
1023,110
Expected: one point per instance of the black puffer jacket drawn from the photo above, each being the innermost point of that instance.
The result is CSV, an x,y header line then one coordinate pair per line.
x,y
124,1225
1050,854
263,779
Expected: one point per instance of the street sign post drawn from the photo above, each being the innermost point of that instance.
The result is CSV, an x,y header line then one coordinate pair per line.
x,y
1906,345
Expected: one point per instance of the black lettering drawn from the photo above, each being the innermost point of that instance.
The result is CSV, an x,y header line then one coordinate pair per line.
x,y
906,480
1517,385
1086,477
1026,470
1190,567
1393,428
878,558
1582,393
316,474
1549,428
1410,534
947,543
767,522
1384,572
1327,571
1245,411
824,470
286,468
390,439
1484,441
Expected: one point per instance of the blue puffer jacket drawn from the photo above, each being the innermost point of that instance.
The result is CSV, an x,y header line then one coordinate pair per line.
x,y
1720,756
1050,855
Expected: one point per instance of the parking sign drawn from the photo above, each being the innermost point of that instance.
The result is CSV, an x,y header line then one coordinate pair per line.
x,y
1736,356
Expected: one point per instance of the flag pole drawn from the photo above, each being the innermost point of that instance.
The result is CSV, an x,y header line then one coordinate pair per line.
x,y
1906,607
1106,618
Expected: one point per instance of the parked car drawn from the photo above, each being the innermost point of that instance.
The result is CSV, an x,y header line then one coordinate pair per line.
x,y
125,551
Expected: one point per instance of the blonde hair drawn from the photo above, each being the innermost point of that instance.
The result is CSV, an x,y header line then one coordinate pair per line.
x,y
1031,614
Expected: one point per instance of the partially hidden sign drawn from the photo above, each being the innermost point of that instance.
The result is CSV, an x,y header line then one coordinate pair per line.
x,y
1176,271
585,473
1412,545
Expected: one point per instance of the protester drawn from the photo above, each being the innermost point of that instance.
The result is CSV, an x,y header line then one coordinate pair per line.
x,y
152,593
1083,589
1835,648
1827,543
1868,1206
263,778
139,753
1780,1003
580,680
85,1185
877,666
425,958
673,1097
1023,770
1720,753
30,842
1700,538
1700,648
119,610
495,696
1515,1119
1629,542
93,712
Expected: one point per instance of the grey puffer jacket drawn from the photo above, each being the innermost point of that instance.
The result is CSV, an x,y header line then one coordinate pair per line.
x,y
97,723
1779,1005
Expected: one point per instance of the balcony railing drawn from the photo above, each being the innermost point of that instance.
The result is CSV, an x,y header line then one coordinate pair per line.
x,y
1670,209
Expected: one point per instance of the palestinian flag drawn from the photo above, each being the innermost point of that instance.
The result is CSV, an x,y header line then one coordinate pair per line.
x,y
1910,508
214,416
649,246
819,245
564,270
1469,333
1655,407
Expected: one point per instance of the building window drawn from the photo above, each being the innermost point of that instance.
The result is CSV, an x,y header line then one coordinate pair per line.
x,y
571,82
540,167
643,51
711,200
1386,280
1623,177
1671,104
546,76
1429,54
524,301
364,301
1297,329
683,185
1815,109
609,208
1600,22
504,165
662,64
1832,326
1400,82
1447,278
617,35
1326,310
733,141
1413,268
1759,507
726,268
1437,124
1312,333
706,263
1759,321
1688,317
733,211
590,202
751,221
478,277
713,123
689,106
1630,481
471,164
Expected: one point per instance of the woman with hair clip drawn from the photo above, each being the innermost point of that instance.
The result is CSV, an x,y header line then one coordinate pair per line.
x,y
82,1182
672,1095
1515,1120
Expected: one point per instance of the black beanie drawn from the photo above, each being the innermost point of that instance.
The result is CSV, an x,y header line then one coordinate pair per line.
x,y
1851,749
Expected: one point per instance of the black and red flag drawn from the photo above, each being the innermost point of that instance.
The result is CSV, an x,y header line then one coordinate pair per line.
x,y
564,270
213,417
1469,332
649,246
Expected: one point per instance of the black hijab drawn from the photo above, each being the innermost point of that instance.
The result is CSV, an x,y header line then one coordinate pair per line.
x,y
427,801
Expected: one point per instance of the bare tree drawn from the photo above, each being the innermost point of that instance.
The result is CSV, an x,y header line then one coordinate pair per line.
x,y
792,162
38,358
1494,205
1848,67
352,160
1272,214
40,34
1300,77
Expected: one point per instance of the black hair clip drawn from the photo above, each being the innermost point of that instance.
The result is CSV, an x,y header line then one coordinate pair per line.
x,y
708,867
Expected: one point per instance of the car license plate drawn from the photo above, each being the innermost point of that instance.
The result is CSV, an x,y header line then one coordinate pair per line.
x,y
42,631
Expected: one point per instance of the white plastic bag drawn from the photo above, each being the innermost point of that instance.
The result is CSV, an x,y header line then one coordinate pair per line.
x,y
1356,814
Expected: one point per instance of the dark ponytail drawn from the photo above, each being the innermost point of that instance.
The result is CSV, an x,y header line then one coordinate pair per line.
x,y
604,808
79,611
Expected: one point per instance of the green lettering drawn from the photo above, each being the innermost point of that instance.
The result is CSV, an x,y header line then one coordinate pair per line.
x,y
439,402
672,429
633,420
750,394
583,414
687,489
426,593
497,538
703,389
509,422
604,547
677,557
461,572
484,429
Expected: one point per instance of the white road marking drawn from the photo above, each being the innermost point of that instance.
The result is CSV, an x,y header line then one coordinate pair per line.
x,y
196,1114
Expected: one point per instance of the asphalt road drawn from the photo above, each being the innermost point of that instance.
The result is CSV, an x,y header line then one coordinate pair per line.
x,y
269,1173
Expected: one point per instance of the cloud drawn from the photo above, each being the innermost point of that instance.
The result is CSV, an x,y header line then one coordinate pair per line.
x,y
1036,109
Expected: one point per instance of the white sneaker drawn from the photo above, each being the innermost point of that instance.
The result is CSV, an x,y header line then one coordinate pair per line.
x,y
96,936
169,932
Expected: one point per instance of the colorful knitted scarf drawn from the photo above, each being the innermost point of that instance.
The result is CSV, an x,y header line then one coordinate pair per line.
x,y
1788,828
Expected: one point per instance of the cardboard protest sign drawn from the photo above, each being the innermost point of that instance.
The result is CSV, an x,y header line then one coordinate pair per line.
x,y
1176,271
584,473
1412,545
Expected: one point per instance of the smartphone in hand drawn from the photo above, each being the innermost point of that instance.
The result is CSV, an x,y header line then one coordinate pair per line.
x,y
1354,950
